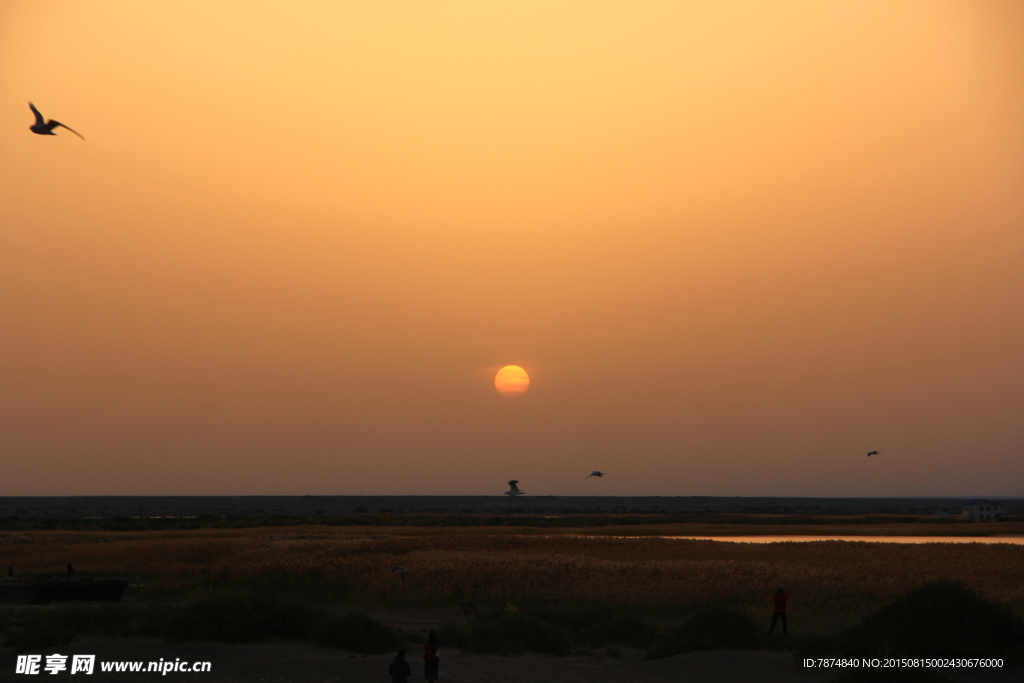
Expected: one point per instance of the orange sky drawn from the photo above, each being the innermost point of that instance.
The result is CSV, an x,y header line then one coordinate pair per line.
x,y
736,245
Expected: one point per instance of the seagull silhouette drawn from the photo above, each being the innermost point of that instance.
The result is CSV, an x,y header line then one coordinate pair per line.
x,y
44,127
872,453
514,491
595,473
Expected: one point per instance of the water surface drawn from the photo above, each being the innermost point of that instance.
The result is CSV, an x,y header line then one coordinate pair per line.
x,y
1005,540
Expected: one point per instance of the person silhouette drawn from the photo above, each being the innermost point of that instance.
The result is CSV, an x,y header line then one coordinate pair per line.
x,y
71,570
431,657
10,570
399,669
779,614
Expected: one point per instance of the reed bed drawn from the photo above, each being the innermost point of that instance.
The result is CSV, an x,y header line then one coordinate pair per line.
x,y
831,583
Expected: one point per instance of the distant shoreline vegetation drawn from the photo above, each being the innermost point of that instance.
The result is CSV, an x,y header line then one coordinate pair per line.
x,y
511,519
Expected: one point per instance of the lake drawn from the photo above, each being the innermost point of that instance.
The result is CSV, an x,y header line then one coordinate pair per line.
x,y
1006,540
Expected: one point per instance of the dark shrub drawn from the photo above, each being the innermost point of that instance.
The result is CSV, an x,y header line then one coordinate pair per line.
x,y
940,619
623,629
38,633
454,635
226,619
237,620
708,629
356,632
557,632
60,626
509,634
599,626
578,619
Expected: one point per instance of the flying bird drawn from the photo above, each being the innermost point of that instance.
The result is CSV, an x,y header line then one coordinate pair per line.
x,y
514,491
44,127
595,473
872,453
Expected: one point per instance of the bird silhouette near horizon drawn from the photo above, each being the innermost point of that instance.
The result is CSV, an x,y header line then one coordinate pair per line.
x,y
44,127
872,453
595,473
514,491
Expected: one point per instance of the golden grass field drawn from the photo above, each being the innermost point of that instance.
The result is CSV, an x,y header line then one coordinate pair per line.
x,y
831,583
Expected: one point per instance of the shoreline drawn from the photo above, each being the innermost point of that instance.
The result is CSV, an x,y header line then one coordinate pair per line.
x,y
334,506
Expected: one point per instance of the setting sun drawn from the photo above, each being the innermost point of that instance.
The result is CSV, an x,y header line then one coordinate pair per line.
x,y
511,380
712,227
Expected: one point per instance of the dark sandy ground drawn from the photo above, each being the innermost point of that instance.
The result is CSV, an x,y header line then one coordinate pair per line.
x,y
293,662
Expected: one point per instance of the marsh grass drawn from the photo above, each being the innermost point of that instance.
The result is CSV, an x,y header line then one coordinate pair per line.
x,y
832,583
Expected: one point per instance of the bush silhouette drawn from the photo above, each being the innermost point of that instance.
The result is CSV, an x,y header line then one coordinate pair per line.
x,y
939,619
60,627
223,619
623,629
237,620
708,629
509,634
357,632
557,632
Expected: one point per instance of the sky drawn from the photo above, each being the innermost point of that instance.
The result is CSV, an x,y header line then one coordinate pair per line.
x,y
736,246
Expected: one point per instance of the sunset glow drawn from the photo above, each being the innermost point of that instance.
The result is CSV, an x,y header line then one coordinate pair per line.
x,y
742,244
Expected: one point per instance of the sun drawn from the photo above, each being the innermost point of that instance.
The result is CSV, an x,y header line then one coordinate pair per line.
x,y
511,380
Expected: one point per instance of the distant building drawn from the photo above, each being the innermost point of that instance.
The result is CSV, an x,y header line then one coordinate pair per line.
x,y
983,509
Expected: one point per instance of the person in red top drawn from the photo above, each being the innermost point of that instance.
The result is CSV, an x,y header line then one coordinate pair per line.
x,y
431,657
779,599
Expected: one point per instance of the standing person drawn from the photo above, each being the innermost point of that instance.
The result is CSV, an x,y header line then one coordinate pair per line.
x,y
431,657
71,570
399,669
779,614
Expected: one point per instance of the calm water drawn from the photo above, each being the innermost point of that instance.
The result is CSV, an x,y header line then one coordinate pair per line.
x,y
1005,540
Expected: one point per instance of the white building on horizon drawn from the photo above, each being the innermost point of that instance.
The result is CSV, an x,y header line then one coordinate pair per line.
x,y
982,509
